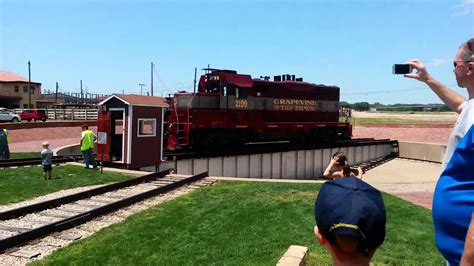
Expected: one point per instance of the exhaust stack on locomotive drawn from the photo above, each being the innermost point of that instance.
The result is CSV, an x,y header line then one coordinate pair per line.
x,y
232,108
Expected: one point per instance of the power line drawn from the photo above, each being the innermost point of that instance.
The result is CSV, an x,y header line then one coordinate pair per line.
x,y
159,79
390,91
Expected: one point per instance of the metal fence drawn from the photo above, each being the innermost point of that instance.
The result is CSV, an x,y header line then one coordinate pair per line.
x,y
69,113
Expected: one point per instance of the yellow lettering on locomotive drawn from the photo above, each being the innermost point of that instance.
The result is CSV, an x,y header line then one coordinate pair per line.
x,y
294,105
241,103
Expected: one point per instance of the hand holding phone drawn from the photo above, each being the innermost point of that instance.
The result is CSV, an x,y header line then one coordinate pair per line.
x,y
400,69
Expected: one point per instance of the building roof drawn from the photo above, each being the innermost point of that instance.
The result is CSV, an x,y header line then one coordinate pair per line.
x,y
138,100
6,76
10,98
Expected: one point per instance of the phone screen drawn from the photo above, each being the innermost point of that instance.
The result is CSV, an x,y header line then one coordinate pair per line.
x,y
401,69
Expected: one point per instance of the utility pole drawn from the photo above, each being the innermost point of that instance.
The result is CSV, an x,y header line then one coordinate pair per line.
x,y
152,66
29,84
141,88
195,74
56,94
82,95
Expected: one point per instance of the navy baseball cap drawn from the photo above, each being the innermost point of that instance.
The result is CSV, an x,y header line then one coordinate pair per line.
x,y
350,207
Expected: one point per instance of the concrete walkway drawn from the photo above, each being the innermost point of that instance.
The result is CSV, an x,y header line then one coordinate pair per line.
x,y
410,180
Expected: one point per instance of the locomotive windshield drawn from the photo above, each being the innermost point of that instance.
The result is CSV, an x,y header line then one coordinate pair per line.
x,y
216,87
212,87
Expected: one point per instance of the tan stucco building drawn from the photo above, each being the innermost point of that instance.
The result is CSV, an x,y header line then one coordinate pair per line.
x,y
14,91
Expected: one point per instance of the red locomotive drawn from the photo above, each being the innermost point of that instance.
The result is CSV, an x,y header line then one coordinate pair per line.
x,y
232,108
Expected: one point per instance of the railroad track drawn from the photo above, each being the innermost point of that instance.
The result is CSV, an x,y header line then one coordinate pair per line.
x,y
37,161
22,225
269,147
251,148
368,165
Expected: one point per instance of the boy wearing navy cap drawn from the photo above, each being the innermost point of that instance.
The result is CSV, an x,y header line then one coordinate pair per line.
x,y
350,217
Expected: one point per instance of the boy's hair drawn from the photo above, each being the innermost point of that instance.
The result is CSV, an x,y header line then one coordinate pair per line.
x,y
341,158
85,126
347,170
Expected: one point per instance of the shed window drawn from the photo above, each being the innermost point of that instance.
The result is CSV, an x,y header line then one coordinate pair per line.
x,y
146,127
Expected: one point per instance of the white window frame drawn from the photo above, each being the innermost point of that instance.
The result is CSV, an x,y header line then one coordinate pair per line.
x,y
123,130
138,127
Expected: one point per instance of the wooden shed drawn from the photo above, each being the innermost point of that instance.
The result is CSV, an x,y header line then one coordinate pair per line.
x,y
130,130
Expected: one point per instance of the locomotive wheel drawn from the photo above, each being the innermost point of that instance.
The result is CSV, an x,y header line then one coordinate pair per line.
x,y
345,135
198,140
328,135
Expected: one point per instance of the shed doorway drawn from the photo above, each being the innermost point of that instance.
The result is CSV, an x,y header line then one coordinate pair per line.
x,y
117,126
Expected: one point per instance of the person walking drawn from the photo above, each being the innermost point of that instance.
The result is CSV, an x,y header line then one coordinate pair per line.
x,y
453,200
4,141
87,146
47,160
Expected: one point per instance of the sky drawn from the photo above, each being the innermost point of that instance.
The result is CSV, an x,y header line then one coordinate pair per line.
x,y
110,45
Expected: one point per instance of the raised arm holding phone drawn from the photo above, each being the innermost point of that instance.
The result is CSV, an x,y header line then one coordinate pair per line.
x,y
453,201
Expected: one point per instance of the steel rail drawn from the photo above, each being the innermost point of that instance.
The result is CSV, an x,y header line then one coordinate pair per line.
x,y
75,220
10,214
269,148
37,160
367,165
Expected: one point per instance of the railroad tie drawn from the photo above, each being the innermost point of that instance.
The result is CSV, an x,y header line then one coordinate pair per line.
x,y
55,215
14,229
25,253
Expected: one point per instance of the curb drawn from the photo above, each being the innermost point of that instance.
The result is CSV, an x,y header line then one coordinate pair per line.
x,y
295,255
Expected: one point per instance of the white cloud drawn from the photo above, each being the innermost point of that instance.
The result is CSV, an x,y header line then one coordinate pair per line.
x,y
437,62
464,8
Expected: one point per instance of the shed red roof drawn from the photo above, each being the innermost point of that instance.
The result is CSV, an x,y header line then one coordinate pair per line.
x,y
6,76
140,100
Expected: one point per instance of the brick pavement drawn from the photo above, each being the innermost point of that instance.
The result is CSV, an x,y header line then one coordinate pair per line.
x,y
66,135
29,140
438,135
424,199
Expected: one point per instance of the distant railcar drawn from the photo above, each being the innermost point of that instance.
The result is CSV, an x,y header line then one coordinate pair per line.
x,y
232,108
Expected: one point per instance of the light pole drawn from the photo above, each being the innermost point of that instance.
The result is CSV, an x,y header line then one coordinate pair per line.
x,y
29,84
141,88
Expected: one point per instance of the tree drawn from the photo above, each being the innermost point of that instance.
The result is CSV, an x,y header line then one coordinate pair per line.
x,y
345,104
361,106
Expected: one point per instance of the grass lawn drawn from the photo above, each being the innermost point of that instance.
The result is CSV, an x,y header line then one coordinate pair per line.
x,y
27,182
18,155
237,223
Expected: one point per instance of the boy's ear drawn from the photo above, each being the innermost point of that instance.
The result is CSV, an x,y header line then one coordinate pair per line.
x,y
318,235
